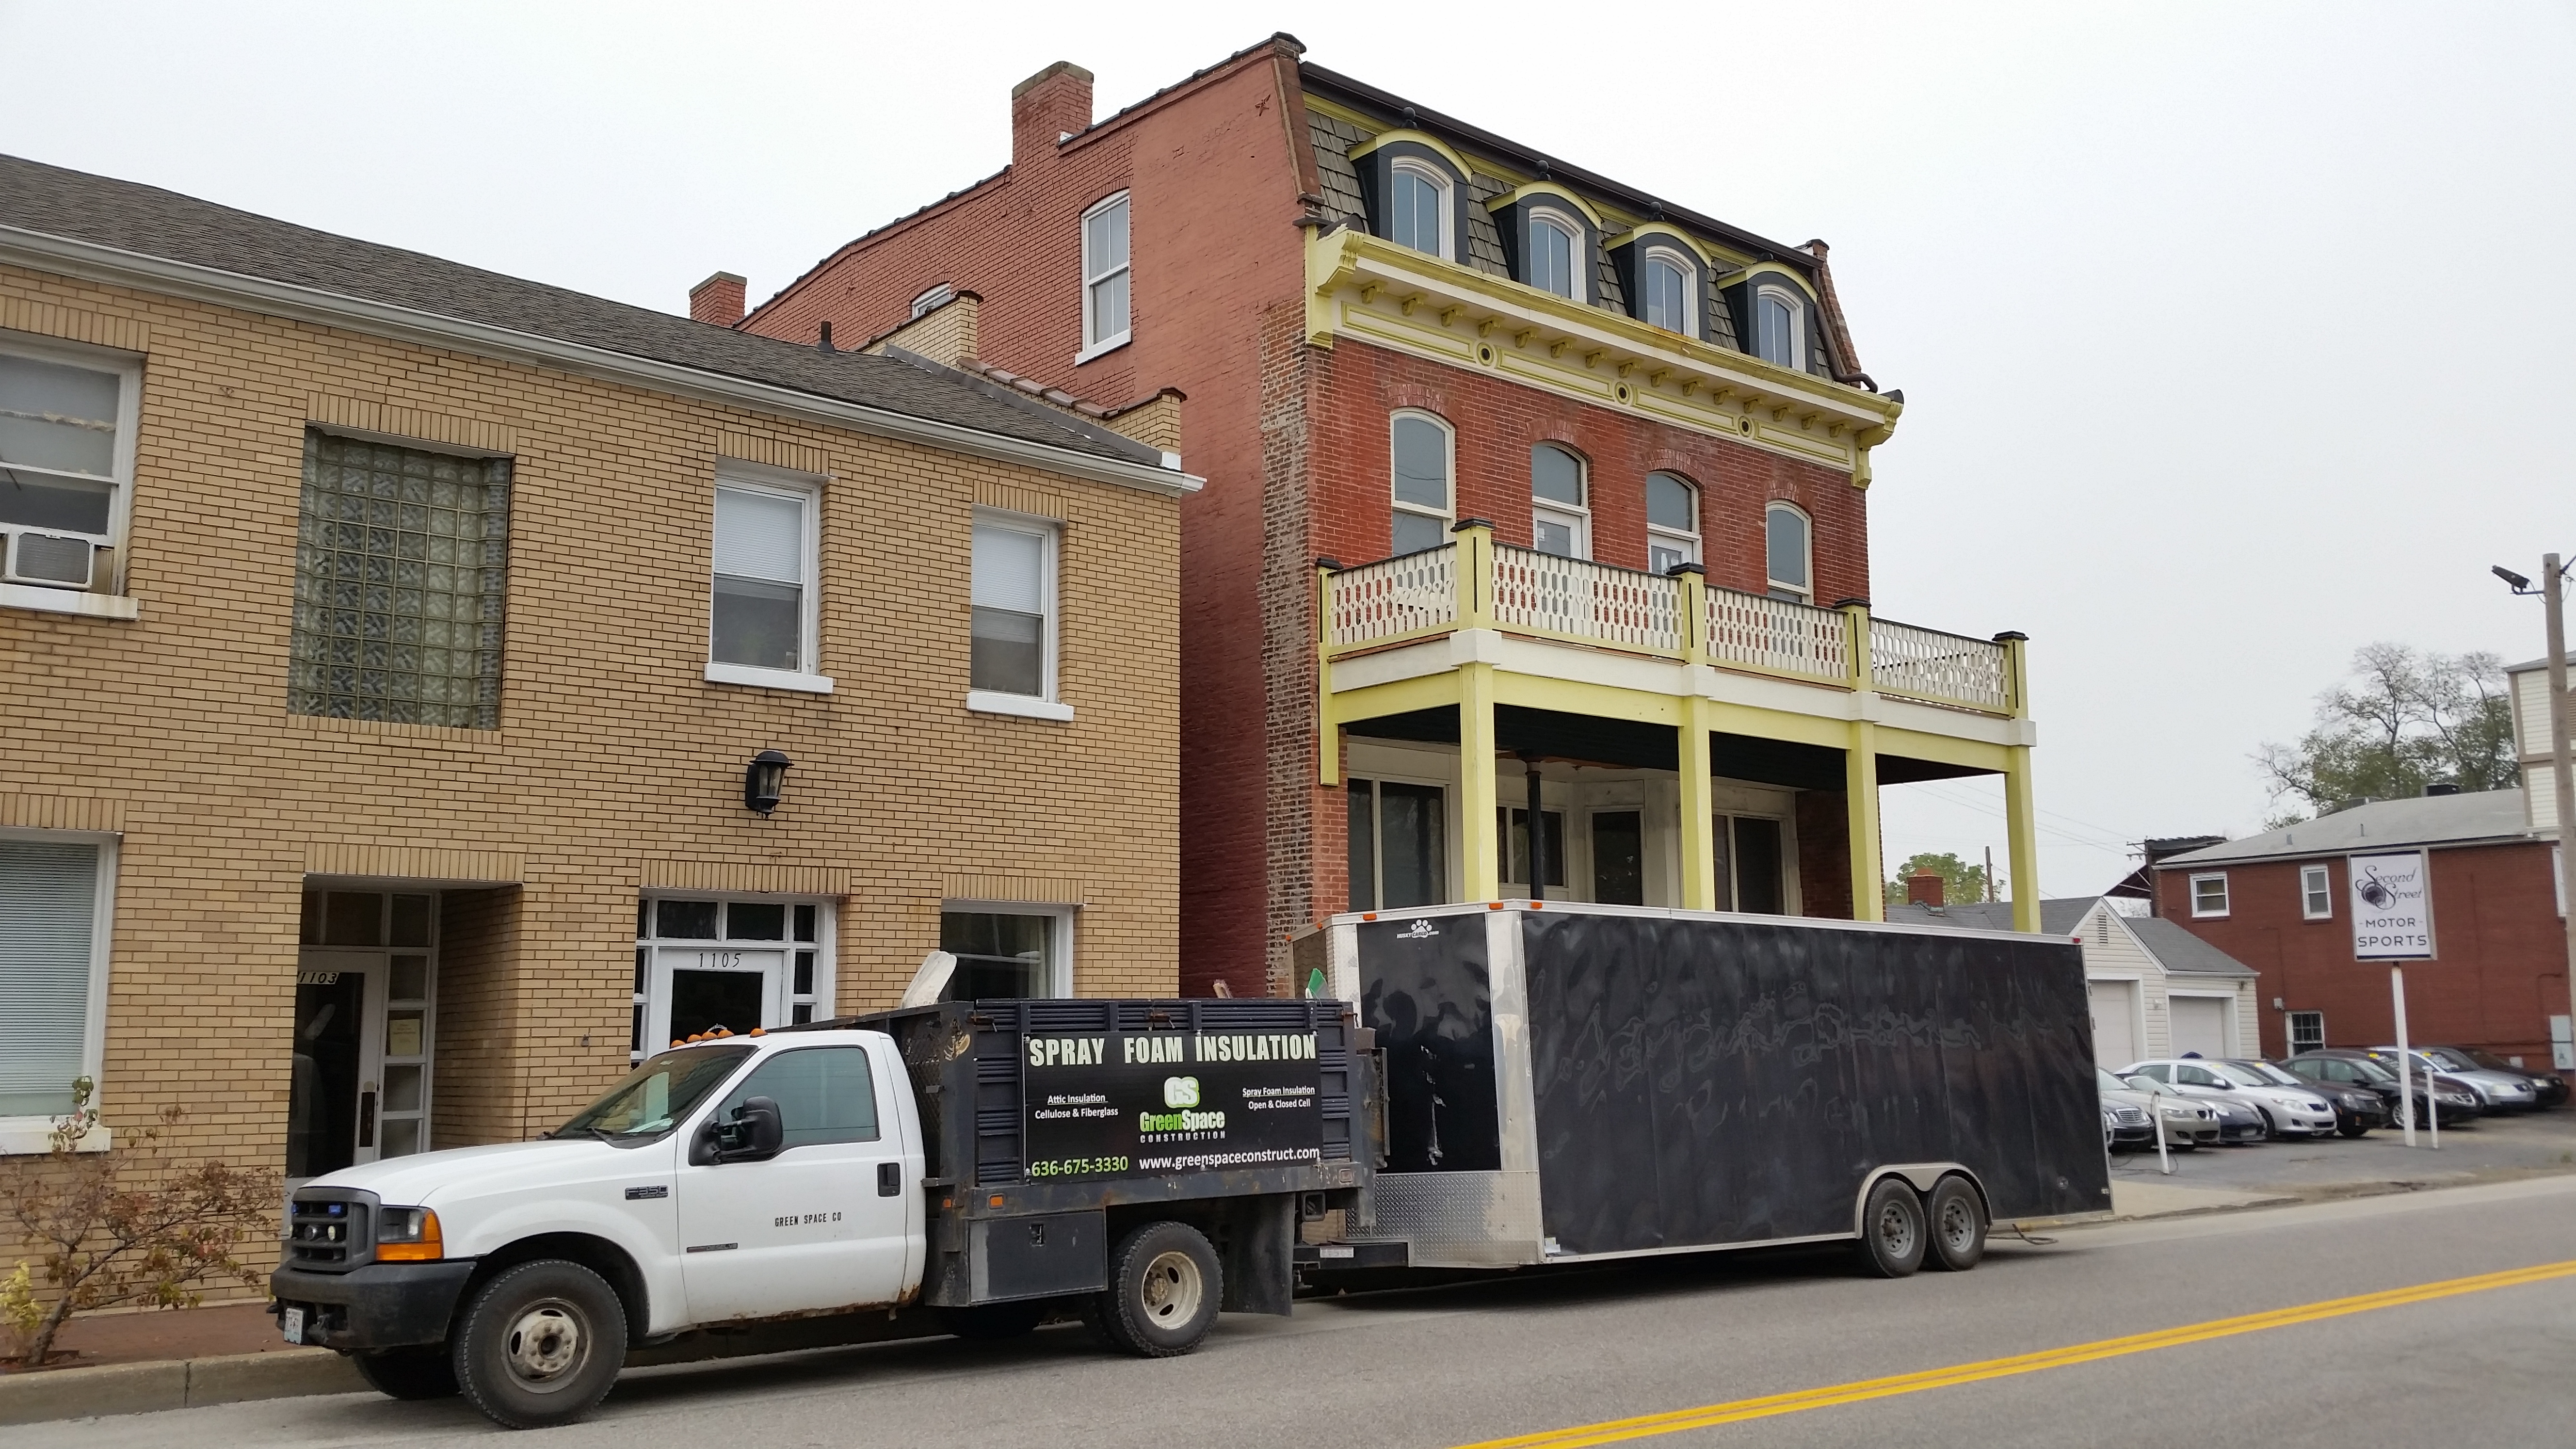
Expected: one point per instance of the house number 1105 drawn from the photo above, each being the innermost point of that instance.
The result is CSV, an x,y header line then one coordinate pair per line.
x,y
720,959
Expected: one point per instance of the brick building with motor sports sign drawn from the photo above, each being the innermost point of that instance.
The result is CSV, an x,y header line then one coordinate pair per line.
x,y
1535,540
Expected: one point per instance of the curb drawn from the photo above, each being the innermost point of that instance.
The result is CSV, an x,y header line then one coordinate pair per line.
x,y
144,1388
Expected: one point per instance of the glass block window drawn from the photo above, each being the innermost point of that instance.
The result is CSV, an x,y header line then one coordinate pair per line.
x,y
402,569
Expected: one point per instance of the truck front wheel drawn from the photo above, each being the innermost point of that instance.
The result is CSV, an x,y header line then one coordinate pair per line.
x,y
407,1373
1892,1239
1164,1285
540,1345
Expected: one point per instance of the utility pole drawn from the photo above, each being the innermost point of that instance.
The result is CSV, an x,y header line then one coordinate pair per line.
x,y
1990,873
2553,596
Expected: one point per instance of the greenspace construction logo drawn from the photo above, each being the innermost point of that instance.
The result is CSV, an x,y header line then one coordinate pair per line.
x,y
1180,1091
1181,1094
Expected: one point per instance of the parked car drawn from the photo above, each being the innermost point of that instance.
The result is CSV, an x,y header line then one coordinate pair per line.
x,y
2334,1067
2240,1124
2286,1111
2505,1091
2357,1108
2548,1089
2187,1124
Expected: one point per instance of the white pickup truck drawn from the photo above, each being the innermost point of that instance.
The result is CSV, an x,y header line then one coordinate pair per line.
x,y
1143,1162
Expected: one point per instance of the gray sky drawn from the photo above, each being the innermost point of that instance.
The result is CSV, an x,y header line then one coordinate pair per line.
x,y
2229,333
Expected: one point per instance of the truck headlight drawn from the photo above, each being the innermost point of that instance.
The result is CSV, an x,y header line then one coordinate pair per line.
x,y
408,1235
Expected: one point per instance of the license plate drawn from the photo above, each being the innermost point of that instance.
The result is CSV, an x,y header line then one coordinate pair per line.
x,y
292,1323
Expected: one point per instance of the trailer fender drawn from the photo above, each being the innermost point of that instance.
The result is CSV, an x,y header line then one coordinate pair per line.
x,y
1922,1177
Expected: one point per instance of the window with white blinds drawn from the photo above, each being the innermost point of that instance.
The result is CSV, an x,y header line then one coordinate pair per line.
x,y
49,934
1014,609
764,567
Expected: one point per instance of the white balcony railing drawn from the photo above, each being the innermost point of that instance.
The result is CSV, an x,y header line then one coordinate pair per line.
x,y
1948,668
1620,607
1393,597
1778,636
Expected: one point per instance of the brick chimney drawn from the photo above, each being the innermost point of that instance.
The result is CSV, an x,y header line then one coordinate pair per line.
x,y
718,299
1049,104
1923,888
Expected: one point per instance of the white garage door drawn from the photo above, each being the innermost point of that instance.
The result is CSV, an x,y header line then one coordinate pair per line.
x,y
2115,1036
2200,1025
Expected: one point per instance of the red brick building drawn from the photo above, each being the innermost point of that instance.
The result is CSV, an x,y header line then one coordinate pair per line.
x,y
2279,902
1519,480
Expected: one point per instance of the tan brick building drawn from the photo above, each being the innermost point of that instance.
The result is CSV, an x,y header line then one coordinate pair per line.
x,y
388,645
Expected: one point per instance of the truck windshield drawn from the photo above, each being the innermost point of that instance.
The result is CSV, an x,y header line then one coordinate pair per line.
x,y
658,1093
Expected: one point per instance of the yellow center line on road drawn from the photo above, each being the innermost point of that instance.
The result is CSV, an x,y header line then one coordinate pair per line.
x,y
1708,1416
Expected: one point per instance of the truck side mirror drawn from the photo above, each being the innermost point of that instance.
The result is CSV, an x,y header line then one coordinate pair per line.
x,y
761,1129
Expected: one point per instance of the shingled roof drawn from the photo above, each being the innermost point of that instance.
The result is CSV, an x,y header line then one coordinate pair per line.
x,y
150,222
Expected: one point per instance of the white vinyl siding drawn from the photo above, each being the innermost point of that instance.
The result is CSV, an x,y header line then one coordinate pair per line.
x,y
54,900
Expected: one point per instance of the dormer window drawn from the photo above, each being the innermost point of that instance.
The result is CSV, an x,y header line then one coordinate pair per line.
x,y
1418,207
1552,261
1664,287
1780,327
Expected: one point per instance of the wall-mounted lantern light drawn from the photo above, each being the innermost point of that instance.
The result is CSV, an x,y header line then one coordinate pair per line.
x,y
764,779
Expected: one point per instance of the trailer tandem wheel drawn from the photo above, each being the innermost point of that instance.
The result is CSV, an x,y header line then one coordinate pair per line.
x,y
1958,1221
1892,1236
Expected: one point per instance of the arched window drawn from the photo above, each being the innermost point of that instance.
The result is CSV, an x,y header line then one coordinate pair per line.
x,y
1672,523
1789,550
1423,453
1555,255
1664,281
1779,327
1417,207
1560,523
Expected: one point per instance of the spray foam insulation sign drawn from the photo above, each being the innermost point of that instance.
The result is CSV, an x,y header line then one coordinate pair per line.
x,y
1121,1103
2392,906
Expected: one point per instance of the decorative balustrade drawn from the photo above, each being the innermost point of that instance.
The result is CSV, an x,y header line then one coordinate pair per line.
x,y
1523,591
1549,594
1778,636
1947,668
1393,598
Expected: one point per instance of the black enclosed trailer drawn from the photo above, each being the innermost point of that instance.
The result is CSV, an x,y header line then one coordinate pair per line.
x,y
1567,1081
1050,1127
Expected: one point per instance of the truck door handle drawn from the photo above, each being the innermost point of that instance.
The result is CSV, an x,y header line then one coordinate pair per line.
x,y
889,1178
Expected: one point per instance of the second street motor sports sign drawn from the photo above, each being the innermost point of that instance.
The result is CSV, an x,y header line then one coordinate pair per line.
x,y
1116,1103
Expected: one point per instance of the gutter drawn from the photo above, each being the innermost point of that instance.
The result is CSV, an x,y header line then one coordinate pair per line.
x,y
90,261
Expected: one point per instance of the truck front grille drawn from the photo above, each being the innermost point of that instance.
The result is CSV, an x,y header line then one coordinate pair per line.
x,y
327,1233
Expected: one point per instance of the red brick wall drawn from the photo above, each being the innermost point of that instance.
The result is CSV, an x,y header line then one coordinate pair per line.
x,y
2501,976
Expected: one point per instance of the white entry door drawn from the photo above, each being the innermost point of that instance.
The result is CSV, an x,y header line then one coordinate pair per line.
x,y
811,1228
2200,1025
2115,1036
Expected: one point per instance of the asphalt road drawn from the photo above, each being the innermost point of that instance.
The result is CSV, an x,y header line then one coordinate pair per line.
x,y
2495,1367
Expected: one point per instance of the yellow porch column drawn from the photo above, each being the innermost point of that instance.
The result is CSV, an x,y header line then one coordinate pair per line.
x,y
2021,817
1860,785
1698,811
1328,744
1481,869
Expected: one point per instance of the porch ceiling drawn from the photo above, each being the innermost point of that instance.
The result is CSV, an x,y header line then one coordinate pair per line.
x,y
1628,745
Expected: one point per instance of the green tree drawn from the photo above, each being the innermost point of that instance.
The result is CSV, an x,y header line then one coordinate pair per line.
x,y
1960,881
2403,720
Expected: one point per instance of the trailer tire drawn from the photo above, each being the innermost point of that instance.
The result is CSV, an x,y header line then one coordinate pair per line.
x,y
407,1373
990,1322
1958,1222
1164,1287
1892,1236
540,1344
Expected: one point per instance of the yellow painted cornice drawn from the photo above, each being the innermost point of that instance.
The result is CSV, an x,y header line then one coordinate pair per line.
x,y
1770,269
1667,230
1550,189
1373,290
1423,139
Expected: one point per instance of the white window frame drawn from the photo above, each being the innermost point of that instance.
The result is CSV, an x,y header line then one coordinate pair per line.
x,y
1448,515
2290,1031
932,300
1577,254
63,598
2197,909
807,491
1060,939
1797,304
1440,182
1672,257
1687,544
1802,593
2316,893
1050,596
31,1135
1577,517
655,998
1094,344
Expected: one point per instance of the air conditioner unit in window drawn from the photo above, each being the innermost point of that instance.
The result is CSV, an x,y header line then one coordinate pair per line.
x,y
49,559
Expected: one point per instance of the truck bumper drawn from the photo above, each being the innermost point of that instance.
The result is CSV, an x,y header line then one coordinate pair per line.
x,y
382,1305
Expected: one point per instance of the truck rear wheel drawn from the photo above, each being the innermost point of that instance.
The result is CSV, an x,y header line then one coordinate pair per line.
x,y
1891,1229
1164,1285
1958,1225
407,1373
540,1345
